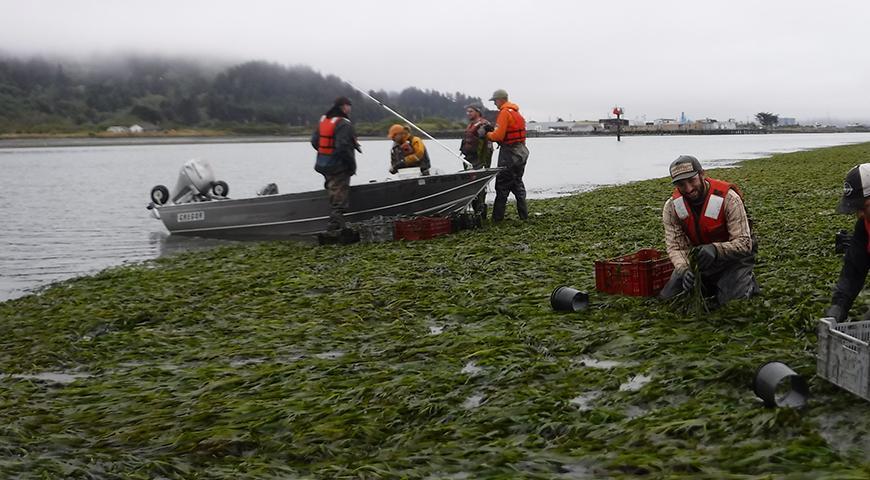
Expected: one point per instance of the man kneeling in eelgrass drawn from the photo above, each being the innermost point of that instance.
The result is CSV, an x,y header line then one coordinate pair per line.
x,y
856,261
708,236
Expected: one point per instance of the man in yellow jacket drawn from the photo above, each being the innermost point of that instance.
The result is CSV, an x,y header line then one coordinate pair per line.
x,y
510,134
408,150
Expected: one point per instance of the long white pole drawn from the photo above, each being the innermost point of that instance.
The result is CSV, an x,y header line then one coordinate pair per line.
x,y
464,161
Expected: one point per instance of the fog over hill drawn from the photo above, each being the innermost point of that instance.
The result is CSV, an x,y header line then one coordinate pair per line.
x,y
51,93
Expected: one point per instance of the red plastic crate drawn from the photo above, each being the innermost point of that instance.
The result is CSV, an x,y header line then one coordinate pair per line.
x,y
641,274
422,228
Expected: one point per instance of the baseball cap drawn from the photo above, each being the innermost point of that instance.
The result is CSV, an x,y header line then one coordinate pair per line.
x,y
856,187
685,166
500,93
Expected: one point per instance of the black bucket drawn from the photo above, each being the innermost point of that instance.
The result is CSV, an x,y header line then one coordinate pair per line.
x,y
767,386
567,299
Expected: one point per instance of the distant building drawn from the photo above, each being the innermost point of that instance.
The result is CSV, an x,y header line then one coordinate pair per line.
x,y
118,129
731,124
609,123
563,127
787,121
136,129
586,126
705,124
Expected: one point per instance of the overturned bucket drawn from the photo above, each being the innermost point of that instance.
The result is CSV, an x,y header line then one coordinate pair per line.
x,y
771,386
567,299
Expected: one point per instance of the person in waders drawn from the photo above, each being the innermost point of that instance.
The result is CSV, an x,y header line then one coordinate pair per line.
x,y
476,150
335,142
510,134
856,261
708,216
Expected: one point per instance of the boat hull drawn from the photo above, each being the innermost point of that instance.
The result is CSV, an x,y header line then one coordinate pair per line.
x,y
307,213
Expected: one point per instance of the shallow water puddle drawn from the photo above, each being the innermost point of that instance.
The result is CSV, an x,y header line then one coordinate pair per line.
x,y
634,411
635,383
579,471
584,401
595,363
330,355
54,377
451,476
241,362
473,401
843,433
472,369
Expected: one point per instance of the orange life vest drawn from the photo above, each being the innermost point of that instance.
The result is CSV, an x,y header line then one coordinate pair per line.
x,y
517,132
326,145
712,227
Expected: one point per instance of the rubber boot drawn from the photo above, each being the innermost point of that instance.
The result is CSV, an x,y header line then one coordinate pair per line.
x,y
522,208
498,208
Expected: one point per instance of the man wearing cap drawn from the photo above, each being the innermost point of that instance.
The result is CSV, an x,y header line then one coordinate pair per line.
x,y
477,150
856,261
708,216
408,150
510,133
335,142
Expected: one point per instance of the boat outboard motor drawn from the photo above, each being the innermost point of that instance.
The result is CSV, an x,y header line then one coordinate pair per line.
x,y
196,183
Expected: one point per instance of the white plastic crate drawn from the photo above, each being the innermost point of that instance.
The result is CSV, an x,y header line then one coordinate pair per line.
x,y
844,355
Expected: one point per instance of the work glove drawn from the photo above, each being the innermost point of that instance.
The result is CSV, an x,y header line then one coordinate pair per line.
x,y
688,281
481,131
836,312
706,255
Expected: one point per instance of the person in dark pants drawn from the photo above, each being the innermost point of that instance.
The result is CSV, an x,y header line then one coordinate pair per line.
x,y
708,216
335,142
510,133
856,261
476,150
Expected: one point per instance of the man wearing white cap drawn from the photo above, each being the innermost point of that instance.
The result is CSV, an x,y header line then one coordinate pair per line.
x,y
856,262
708,216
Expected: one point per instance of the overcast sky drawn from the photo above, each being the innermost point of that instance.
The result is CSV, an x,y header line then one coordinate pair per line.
x,y
574,59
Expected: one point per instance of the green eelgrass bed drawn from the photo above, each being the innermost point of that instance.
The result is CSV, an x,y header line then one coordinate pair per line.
x,y
440,358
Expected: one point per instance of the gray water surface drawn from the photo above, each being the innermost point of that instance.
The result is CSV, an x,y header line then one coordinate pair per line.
x,y
71,211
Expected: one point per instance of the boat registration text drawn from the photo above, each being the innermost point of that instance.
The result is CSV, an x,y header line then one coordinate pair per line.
x,y
196,216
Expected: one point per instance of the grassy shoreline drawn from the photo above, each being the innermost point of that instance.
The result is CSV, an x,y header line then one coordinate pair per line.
x,y
440,359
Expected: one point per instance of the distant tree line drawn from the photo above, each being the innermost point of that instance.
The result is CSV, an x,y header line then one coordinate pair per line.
x,y
767,119
40,96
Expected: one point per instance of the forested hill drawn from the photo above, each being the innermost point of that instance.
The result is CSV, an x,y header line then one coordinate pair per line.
x,y
39,96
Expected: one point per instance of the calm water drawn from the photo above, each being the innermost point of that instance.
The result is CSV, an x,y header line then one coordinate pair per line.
x,y
70,211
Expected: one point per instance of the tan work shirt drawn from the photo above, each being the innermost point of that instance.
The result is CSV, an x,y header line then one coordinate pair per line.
x,y
678,243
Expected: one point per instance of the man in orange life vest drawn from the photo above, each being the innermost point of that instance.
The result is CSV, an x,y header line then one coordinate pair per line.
x,y
510,133
335,142
478,151
708,215
856,261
